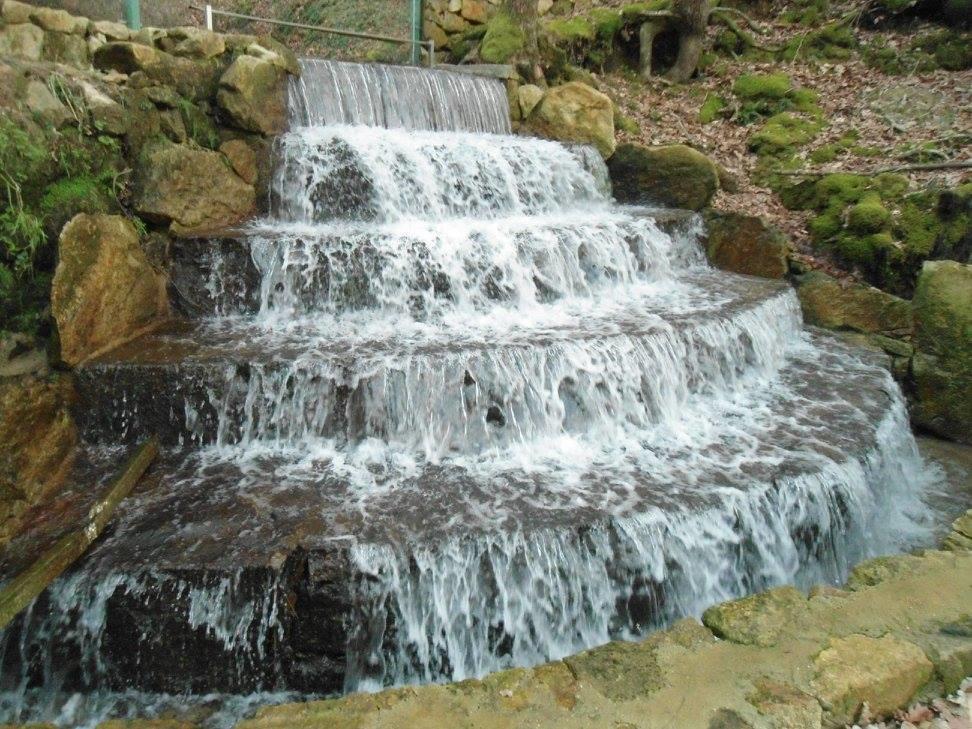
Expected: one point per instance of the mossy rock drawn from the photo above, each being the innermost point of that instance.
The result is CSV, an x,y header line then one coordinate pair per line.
x,y
575,112
943,334
783,134
883,673
745,244
868,216
673,175
758,619
503,40
831,304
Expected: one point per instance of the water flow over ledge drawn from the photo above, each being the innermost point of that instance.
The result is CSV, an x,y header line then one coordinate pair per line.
x,y
397,97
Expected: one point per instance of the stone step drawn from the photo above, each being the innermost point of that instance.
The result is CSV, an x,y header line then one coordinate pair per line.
x,y
239,569
427,269
476,383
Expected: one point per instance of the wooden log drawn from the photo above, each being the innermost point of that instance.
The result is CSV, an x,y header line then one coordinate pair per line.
x,y
21,591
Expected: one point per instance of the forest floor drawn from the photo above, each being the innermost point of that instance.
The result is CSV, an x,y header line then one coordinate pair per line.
x,y
921,116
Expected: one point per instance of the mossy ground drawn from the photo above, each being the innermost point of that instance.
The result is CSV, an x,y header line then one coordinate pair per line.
x,y
878,227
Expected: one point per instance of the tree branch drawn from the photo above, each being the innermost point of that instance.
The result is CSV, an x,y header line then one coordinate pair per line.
x,y
749,21
952,165
743,35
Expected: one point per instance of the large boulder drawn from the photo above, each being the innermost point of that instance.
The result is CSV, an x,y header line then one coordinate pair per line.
x,y
575,112
149,66
196,191
253,93
833,304
755,620
23,40
942,367
37,439
884,673
673,176
104,290
746,244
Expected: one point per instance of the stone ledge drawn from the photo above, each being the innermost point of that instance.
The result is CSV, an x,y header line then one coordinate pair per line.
x,y
886,644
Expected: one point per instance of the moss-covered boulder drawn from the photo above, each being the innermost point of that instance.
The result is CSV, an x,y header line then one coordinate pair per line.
x,y
942,367
104,290
745,244
755,620
673,176
37,440
879,227
253,93
194,190
884,673
833,304
503,41
575,112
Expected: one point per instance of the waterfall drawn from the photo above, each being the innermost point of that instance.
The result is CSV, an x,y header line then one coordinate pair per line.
x,y
445,410
375,95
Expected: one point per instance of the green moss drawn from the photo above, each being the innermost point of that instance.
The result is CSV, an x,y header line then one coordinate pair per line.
x,y
607,23
840,189
825,226
572,30
68,197
834,41
625,123
891,186
633,10
782,134
826,153
503,40
762,86
868,216
805,100
199,126
951,50
711,109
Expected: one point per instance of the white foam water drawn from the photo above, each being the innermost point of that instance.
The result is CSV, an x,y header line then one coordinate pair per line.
x,y
539,420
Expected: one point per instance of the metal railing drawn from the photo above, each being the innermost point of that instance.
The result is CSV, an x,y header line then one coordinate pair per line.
x,y
209,12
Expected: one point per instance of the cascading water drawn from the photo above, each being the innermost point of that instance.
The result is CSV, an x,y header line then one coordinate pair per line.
x,y
447,409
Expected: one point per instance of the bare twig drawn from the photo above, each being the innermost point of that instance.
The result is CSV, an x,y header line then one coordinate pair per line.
x,y
21,591
743,35
952,165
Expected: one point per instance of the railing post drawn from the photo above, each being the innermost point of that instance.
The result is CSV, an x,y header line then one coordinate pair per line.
x,y
416,32
133,14
209,17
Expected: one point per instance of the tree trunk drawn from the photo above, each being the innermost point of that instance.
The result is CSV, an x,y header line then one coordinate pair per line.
x,y
647,33
524,14
691,17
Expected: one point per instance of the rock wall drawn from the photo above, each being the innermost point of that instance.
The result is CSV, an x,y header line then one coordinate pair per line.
x,y
112,144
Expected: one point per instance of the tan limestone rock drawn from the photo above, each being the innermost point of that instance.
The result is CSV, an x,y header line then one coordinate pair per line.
x,y
253,94
574,112
104,290
755,620
884,673
195,190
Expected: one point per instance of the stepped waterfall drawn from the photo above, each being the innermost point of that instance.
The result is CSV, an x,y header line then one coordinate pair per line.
x,y
446,409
